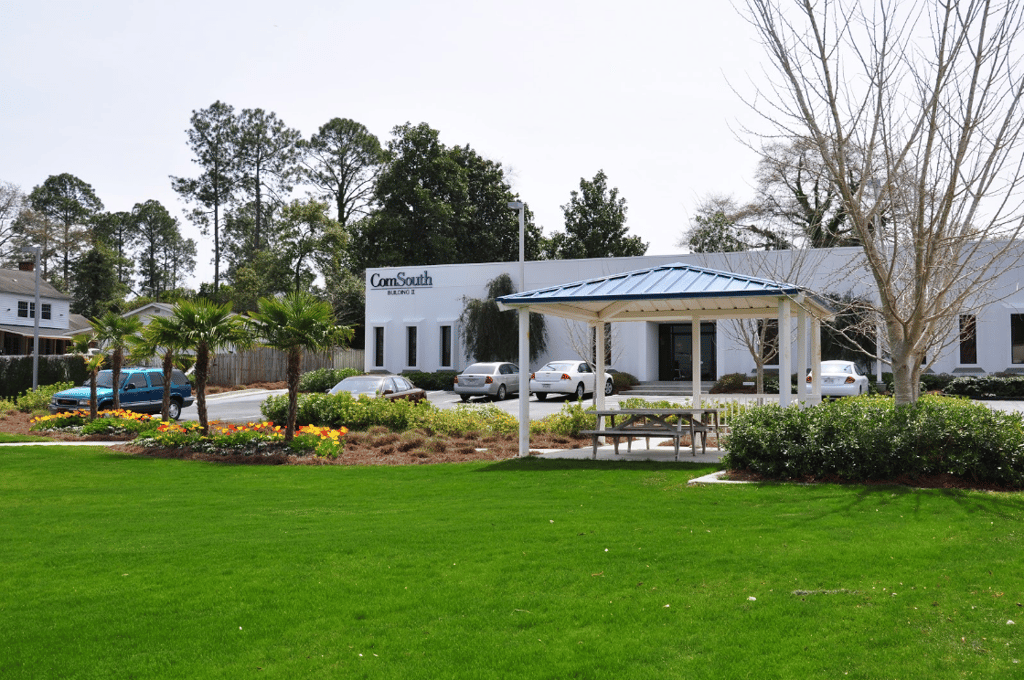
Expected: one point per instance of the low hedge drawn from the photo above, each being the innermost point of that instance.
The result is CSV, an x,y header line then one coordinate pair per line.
x,y
867,438
986,387
343,410
323,379
439,380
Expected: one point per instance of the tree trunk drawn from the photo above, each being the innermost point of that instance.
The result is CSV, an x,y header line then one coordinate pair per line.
x,y
165,407
115,378
906,373
294,373
202,367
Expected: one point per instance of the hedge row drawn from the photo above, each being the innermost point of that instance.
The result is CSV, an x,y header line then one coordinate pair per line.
x,y
16,372
342,410
869,438
987,387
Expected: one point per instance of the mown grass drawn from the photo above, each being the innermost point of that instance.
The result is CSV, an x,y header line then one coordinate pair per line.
x,y
8,438
115,567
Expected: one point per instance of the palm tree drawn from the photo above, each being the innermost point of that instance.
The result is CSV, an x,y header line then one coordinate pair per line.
x,y
206,328
294,323
113,332
162,338
93,364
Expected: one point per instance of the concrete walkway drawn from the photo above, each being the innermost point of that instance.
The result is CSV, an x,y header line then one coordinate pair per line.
x,y
640,452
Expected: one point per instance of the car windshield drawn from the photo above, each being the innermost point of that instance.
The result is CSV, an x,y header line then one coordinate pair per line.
x,y
359,385
560,366
106,379
486,369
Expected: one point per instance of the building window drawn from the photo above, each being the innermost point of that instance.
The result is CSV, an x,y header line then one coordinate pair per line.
x,y
411,345
378,346
446,346
968,339
27,310
1017,338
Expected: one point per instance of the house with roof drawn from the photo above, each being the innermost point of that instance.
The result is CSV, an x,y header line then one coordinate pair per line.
x,y
18,310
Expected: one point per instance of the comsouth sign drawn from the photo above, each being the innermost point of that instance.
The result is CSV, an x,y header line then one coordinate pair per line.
x,y
401,283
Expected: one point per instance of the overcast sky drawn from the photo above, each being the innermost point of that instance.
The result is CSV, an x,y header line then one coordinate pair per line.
x,y
554,90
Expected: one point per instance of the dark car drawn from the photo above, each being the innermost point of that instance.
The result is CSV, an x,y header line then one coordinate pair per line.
x,y
388,386
142,391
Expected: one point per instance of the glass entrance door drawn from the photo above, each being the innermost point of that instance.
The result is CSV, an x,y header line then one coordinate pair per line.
x,y
675,355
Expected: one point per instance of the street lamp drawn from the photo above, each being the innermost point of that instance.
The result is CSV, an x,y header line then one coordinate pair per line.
x,y
524,340
35,250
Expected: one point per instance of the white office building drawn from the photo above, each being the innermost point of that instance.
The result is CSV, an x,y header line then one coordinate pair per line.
x,y
412,315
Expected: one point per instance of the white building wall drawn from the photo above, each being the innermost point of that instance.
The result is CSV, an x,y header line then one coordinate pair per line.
x,y
59,312
428,297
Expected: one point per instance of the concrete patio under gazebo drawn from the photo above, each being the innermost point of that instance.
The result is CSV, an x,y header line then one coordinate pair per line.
x,y
678,292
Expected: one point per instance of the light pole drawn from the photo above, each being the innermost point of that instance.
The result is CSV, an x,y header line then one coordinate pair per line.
x,y
524,340
38,312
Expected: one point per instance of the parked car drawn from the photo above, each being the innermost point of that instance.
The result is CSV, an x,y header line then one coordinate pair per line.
x,y
567,377
496,380
390,387
141,390
840,379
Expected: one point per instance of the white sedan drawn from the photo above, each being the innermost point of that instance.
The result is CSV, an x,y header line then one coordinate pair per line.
x,y
496,379
566,377
840,379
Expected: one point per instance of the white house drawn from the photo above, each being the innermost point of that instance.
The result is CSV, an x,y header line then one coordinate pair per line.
x,y
18,309
412,315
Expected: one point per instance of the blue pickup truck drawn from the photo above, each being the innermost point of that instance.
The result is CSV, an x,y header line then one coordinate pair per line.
x,y
142,390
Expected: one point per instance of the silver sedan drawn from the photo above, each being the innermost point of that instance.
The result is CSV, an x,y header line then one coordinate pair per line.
x,y
493,379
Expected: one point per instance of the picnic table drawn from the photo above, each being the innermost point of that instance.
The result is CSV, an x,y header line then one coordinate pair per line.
x,y
654,422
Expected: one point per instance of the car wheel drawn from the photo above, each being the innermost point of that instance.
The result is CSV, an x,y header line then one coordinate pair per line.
x,y
541,396
501,393
105,406
609,387
580,392
464,397
174,410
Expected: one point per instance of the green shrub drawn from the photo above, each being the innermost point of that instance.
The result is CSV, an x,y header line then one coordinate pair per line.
x,y
730,383
323,379
936,381
569,422
39,400
343,410
986,387
867,438
465,418
623,381
439,380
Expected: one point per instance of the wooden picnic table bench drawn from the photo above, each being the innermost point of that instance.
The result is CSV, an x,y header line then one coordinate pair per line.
x,y
653,422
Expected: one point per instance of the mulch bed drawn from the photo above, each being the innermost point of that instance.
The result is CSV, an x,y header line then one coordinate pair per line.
x,y
378,446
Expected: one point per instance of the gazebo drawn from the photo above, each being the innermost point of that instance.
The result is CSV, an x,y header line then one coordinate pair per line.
x,y
677,292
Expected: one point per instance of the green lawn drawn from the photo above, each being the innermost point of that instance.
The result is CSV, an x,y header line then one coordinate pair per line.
x,y
120,567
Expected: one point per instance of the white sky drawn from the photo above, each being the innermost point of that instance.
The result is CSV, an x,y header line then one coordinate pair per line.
x,y
555,90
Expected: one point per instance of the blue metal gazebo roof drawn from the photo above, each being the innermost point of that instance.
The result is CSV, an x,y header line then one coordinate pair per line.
x,y
670,291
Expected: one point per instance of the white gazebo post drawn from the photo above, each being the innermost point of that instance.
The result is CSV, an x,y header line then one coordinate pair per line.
x,y
816,360
524,340
600,378
695,358
801,356
785,352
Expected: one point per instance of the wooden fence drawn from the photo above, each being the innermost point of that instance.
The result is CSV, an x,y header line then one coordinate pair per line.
x,y
269,365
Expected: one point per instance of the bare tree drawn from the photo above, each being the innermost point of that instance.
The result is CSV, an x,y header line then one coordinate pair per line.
x,y
914,108
11,203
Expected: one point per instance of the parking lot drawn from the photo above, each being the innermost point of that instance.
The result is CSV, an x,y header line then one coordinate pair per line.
x,y
244,406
